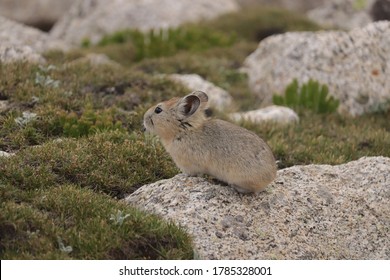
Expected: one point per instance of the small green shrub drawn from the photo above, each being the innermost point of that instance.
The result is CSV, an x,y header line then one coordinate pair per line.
x,y
157,43
311,96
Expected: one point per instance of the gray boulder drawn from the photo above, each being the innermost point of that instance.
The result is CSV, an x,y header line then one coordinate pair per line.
x,y
21,42
344,14
355,65
41,14
93,19
12,53
275,114
309,212
219,98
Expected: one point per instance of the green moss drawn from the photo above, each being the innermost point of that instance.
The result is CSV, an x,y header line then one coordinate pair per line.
x,y
89,122
111,162
75,100
68,222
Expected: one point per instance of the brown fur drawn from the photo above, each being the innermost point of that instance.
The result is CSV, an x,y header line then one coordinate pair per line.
x,y
199,145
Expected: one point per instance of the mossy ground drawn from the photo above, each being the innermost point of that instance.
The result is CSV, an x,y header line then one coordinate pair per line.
x,y
76,132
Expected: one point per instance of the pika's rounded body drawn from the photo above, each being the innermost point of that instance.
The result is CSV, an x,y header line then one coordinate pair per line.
x,y
199,145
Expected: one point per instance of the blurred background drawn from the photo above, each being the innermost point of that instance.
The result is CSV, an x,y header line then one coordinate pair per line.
x,y
44,14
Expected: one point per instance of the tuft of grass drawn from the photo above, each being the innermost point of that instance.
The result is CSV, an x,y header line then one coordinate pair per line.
x,y
311,96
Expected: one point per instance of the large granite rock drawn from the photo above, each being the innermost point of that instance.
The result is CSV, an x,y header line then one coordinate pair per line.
x,y
309,212
20,42
93,19
355,65
41,14
344,14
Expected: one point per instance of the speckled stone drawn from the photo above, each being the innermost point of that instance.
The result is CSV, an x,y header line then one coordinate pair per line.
x,y
20,42
10,53
5,154
219,98
309,212
17,34
3,105
276,114
355,65
344,14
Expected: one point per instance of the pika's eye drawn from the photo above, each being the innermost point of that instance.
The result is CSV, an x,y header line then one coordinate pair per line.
x,y
158,110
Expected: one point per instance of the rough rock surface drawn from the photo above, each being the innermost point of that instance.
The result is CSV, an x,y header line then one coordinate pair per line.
x,y
355,65
10,53
309,212
218,98
274,113
344,14
20,42
38,13
17,34
94,18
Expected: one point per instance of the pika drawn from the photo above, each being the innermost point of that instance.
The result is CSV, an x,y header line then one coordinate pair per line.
x,y
200,145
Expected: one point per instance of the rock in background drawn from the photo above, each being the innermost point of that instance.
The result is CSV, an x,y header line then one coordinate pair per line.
x,y
344,14
93,19
219,98
275,114
309,212
21,42
355,65
41,14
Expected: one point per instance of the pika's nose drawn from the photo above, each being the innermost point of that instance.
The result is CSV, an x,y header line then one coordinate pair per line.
x,y
143,127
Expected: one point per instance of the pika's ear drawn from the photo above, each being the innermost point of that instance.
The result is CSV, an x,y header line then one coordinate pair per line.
x,y
188,105
202,96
